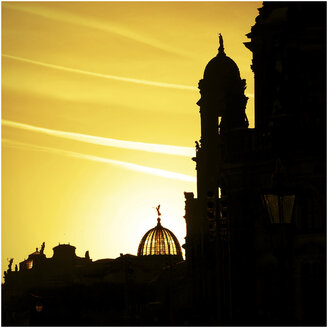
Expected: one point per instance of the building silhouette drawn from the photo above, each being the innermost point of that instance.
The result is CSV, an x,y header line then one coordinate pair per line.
x,y
256,233
67,290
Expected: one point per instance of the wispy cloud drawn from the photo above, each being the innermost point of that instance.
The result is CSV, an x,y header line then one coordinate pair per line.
x,y
107,76
149,147
126,165
104,76
70,18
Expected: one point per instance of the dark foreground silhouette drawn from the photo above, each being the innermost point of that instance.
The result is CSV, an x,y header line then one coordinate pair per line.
x,y
256,233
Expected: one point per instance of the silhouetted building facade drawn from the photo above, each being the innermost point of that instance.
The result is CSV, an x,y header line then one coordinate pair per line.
x,y
67,290
256,233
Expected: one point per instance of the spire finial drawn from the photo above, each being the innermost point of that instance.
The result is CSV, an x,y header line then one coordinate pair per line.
x,y
221,48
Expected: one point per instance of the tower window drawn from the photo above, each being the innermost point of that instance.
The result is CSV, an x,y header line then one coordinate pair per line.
x,y
219,122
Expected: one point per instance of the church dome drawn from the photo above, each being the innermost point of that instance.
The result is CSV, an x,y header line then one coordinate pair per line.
x,y
159,241
221,66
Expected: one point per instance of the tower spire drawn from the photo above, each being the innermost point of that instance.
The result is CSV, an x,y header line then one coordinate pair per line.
x,y
221,48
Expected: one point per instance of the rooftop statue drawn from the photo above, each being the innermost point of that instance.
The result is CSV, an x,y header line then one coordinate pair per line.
x,y
221,48
42,247
158,212
10,264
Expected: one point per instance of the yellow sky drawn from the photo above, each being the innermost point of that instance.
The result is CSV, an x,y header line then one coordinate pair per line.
x,y
99,117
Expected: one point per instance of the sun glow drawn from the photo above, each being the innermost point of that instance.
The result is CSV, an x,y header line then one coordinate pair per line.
x,y
99,117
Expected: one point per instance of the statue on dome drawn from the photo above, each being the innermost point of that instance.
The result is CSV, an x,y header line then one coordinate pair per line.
x,y
221,48
158,212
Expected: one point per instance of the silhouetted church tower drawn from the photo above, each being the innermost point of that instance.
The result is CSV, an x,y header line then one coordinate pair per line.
x,y
256,233
222,111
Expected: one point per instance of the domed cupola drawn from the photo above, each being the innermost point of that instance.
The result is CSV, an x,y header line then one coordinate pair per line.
x,y
159,241
221,67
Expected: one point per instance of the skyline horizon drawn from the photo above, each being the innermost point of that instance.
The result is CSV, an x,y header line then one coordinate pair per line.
x,y
82,151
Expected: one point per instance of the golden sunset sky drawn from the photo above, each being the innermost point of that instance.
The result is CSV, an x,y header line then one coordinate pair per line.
x,y
99,117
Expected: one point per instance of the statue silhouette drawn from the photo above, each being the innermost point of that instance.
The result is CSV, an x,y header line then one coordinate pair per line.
x,y
158,212
221,48
10,264
42,247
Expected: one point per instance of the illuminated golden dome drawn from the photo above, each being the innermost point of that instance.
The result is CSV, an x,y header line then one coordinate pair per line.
x,y
159,241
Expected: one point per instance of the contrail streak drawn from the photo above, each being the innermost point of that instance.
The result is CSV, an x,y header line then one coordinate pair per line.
x,y
126,32
104,76
127,165
149,147
110,77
